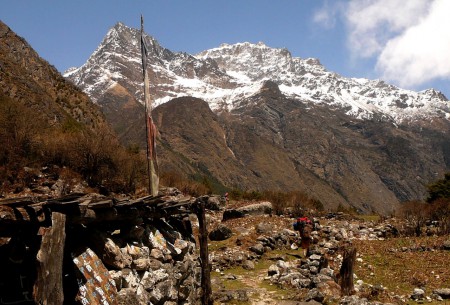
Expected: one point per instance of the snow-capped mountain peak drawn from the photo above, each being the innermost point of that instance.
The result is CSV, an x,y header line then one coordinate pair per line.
x,y
225,75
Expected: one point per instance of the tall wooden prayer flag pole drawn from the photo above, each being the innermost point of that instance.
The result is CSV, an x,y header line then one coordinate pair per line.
x,y
152,162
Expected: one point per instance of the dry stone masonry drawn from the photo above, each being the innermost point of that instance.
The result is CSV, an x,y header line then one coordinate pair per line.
x,y
111,251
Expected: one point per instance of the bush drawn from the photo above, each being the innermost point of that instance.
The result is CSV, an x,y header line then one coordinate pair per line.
x,y
439,189
29,140
183,184
417,214
295,202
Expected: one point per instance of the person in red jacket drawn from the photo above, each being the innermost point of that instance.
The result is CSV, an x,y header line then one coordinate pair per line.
x,y
305,227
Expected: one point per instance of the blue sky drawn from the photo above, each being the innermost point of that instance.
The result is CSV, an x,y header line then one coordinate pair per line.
x,y
405,43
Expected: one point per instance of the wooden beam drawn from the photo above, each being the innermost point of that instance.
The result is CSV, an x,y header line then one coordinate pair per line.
x,y
85,210
346,271
48,289
199,209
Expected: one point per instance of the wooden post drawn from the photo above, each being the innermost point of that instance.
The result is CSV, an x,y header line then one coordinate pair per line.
x,y
346,272
48,289
199,208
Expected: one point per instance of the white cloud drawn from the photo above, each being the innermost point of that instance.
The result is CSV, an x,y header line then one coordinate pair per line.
x,y
421,52
409,39
372,23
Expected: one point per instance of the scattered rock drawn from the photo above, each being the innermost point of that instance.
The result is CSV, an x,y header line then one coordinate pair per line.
x,y
444,293
446,245
315,294
264,228
248,265
273,270
258,249
418,294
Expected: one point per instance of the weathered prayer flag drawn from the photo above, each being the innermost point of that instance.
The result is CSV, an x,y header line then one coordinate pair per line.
x,y
152,162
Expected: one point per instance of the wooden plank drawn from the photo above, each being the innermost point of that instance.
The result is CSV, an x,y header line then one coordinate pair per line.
x,y
48,289
70,197
85,210
148,200
18,202
175,204
95,286
199,208
101,204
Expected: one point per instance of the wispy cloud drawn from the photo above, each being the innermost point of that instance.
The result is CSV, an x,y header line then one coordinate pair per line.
x,y
328,14
410,39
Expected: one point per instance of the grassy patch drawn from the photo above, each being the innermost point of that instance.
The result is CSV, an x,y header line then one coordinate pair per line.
x,y
287,254
372,218
214,246
279,293
251,280
385,263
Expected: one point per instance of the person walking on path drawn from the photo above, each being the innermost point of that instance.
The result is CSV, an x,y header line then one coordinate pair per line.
x,y
305,227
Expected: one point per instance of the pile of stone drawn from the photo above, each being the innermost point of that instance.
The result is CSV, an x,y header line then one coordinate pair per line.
x,y
45,181
151,264
280,240
310,273
358,230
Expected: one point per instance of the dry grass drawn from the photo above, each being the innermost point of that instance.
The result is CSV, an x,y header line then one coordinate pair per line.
x,y
385,263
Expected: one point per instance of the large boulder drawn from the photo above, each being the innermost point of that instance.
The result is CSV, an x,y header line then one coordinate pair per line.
x,y
443,292
257,208
232,214
222,232
261,208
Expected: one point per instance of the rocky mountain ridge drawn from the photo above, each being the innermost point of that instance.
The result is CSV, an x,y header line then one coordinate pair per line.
x,y
224,75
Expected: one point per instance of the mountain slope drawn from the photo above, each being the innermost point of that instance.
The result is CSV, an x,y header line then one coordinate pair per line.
x,y
277,122
369,164
29,79
47,123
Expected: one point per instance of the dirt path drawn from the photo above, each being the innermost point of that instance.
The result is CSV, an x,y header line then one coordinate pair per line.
x,y
259,295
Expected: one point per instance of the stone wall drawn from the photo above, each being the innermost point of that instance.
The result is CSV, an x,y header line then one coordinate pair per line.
x,y
113,252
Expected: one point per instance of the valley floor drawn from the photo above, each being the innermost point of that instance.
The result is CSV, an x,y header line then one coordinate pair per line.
x,y
387,269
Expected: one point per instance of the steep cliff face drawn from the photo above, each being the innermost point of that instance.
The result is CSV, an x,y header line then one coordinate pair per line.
x,y
268,120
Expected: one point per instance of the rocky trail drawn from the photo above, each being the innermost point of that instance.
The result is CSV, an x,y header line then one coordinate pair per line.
x,y
254,260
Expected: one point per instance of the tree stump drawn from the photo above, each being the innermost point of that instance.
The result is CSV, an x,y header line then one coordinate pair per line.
x,y
346,272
